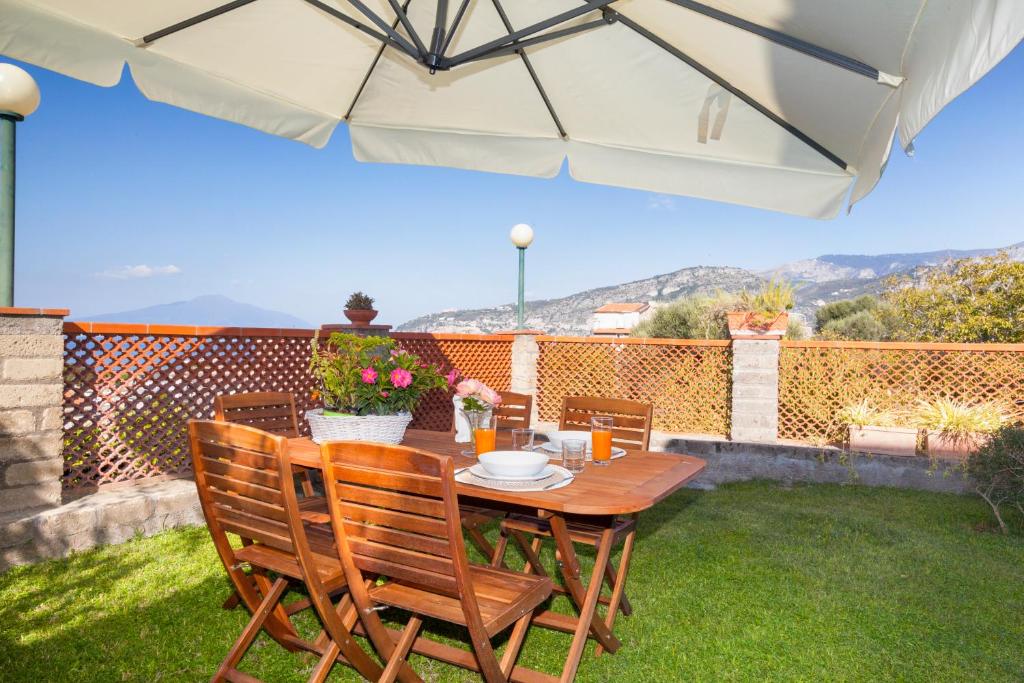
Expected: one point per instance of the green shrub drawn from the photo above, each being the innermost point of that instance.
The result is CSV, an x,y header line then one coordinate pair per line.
x,y
837,310
860,326
997,469
693,317
774,297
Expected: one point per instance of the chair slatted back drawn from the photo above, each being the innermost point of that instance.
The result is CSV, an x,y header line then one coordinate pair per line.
x,y
515,410
631,420
271,411
238,475
395,513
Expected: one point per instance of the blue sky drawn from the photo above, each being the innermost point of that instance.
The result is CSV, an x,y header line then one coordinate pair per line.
x,y
108,180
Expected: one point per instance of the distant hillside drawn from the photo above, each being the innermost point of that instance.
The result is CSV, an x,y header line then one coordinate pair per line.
x,y
210,310
571,315
817,281
833,267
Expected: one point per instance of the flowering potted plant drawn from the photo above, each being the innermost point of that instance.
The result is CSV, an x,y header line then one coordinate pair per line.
x,y
359,309
369,388
473,401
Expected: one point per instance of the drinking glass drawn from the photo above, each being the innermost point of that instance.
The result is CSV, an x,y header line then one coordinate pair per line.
x,y
601,438
522,439
574,453
484,435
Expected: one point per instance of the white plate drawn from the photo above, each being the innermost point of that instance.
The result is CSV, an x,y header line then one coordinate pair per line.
x,y
479,471
557,450
524,487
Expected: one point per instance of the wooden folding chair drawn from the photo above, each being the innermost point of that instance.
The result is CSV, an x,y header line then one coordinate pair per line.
x,y
274,412
243,476
514,411
631,429
396,514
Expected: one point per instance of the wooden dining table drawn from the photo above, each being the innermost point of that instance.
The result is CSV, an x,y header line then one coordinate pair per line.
x,y
626,486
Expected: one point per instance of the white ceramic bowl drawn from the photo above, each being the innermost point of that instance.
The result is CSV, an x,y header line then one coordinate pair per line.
x,y
513,463
556,438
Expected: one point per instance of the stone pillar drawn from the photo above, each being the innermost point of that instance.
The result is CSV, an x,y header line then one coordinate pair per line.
x,y
755,390
31,410
525,353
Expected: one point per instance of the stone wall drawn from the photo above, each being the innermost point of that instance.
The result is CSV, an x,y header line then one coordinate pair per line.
x,y
31,413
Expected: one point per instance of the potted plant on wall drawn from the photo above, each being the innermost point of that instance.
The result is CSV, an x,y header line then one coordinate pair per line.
x,y
359,309
369,388
872,430
764,315
955,429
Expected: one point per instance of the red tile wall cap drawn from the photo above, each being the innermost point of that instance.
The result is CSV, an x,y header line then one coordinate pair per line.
x,y
20,310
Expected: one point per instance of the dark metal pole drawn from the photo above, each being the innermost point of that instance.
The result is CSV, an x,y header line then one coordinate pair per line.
x,y
8,120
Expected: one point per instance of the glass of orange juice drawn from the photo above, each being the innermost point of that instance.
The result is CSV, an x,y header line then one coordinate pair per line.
x,y
601,438
484,434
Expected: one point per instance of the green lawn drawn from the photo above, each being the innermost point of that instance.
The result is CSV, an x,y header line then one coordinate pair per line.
x,y
748,582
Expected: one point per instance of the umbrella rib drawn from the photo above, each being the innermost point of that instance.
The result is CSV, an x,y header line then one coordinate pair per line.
x,y
400,13
192,21
518,45
784,39
455,26
708,73
588,6
533,74
369,72
392,38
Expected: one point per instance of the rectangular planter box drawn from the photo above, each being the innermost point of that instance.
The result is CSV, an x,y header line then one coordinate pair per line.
x,y
942,447
748,325
884,440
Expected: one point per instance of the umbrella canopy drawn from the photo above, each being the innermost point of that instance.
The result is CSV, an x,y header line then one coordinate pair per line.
x,y
778,104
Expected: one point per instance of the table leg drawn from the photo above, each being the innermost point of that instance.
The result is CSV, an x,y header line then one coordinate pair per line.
x,y
586,599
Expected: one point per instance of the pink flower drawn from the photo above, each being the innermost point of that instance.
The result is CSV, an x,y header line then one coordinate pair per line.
x,y
385,394
452,377
490,395
468,387
369,375
401,378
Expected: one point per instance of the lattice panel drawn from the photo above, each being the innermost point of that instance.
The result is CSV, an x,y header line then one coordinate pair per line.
x,y
688,383
816,382
127,396
486,358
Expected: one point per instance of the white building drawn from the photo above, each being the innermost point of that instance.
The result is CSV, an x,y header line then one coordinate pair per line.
x,y
616,320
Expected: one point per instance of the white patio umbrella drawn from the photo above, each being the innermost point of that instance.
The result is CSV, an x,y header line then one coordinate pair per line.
x,y
779,104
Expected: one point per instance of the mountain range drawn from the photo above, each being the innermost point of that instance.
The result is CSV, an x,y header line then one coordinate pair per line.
x,y
817,281
210,310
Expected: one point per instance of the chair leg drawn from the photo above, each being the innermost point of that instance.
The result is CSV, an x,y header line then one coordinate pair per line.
x,y
477,538
515,644
401,650
233,601
498,556
259,616
529,551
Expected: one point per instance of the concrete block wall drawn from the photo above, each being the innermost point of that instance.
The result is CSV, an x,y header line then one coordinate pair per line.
x,y
755,390
525,354
31,410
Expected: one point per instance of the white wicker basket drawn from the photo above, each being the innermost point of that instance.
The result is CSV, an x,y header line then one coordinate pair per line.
x,y
379,428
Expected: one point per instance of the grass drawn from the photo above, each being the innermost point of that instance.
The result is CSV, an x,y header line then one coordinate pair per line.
x,y
748,582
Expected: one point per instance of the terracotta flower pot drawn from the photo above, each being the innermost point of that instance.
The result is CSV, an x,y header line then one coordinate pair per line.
x,y
883,440
751,325
360,316
940,446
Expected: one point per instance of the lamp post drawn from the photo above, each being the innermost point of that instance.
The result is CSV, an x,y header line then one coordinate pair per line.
x,y
521,236
19,97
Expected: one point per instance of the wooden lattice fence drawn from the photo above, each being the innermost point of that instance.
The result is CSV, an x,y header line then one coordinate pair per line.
x,y
688,381
129,389
817,379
